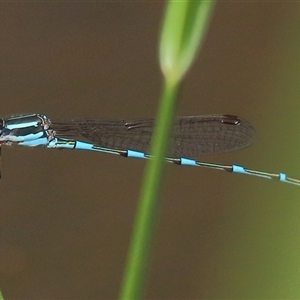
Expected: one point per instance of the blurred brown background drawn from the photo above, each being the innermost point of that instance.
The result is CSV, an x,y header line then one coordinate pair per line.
x,y
66,216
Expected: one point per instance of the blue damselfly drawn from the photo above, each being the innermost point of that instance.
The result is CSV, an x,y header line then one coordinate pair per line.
x,y
191,136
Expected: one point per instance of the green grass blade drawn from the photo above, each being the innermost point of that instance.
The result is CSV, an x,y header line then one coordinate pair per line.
x,y
183,32
178,47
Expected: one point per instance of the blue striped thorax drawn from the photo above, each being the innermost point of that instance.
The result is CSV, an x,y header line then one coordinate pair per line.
x,y
29,130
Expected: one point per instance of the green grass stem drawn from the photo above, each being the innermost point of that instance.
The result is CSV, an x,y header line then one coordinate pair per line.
x,y
183,29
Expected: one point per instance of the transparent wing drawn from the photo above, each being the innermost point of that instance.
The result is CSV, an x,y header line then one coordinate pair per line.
x,y
191,136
